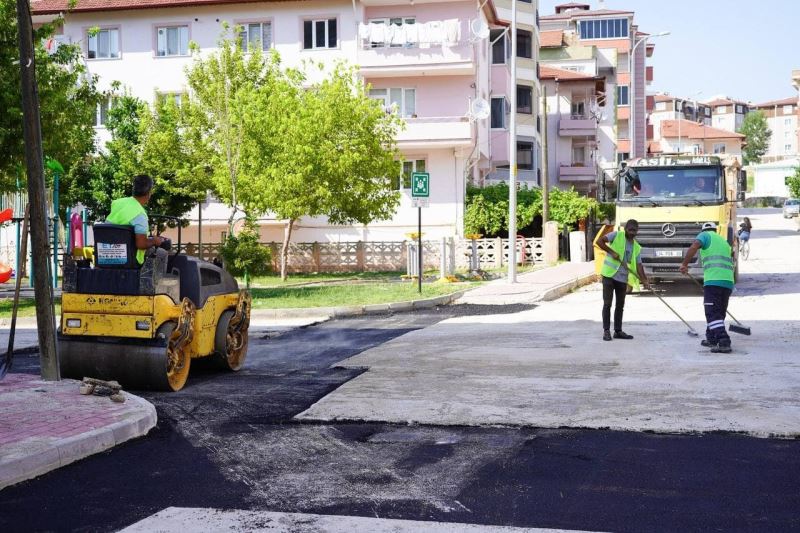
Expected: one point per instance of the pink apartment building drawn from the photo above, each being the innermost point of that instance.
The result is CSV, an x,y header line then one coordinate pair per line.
x,y
597,44
426,60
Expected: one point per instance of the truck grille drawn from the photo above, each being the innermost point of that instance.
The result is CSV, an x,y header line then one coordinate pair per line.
x,y
651,234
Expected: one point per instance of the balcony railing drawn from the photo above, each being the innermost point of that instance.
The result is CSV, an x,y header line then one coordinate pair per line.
x,y
438,131
577,125
436,47
577,171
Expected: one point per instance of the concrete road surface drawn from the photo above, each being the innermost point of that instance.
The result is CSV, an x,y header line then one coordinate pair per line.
x,y
548,367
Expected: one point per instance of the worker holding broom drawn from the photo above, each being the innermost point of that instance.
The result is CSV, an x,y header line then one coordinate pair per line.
x,y
620,268
717,257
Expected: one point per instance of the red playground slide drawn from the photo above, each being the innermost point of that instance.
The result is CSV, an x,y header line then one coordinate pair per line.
x,y
5,270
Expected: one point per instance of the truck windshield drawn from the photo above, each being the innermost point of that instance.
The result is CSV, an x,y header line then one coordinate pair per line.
x,y
649,185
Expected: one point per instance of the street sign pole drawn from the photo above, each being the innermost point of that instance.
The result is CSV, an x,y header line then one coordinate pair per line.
x,y
420,193
419,249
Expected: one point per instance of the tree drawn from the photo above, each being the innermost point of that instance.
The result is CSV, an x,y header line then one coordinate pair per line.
x,y
142,142
67,100
334,155
793,183
757,135
487,208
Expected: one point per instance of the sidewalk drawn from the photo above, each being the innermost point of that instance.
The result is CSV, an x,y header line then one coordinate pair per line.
x,y
540,285
49,424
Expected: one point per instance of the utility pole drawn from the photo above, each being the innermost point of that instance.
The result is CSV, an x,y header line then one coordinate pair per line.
x,y
32,133
545,177
512,155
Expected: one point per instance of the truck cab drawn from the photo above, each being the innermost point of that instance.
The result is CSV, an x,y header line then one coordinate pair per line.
x,y
672,196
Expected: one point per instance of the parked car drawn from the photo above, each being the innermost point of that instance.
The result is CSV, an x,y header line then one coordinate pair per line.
x,y
791,207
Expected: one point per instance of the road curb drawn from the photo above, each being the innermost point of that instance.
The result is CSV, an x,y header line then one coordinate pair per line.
x,y
563,289
32,457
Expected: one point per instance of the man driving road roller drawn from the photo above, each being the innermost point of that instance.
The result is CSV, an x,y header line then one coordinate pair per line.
x,y
129,211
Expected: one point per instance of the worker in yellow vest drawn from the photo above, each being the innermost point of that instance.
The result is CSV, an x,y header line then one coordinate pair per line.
x,y
130,211
622,259
717,258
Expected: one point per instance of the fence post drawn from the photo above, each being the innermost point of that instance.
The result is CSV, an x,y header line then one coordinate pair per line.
x,y
551,243
316,257
498,252
443,258
451,247
360,256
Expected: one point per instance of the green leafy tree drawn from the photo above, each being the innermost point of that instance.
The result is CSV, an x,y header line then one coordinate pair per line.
x,y
334,155
142,142
568,207
487,208
793,182
757,135
68,99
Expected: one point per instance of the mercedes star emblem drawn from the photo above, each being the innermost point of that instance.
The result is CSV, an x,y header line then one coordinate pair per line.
x,y
668,230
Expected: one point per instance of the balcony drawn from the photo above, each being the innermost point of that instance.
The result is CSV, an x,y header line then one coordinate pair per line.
x,y
528,177
435,132
577,172
413,50
577,125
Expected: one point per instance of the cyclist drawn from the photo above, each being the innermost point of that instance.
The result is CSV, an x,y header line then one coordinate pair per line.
x,y
744,237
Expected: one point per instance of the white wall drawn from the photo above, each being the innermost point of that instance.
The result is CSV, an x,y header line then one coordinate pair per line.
x,y
770,178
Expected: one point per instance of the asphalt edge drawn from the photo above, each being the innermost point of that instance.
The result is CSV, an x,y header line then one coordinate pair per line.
x,y
554,293
65,451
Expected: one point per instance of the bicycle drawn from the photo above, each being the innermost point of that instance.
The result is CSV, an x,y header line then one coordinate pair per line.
x,y
744,249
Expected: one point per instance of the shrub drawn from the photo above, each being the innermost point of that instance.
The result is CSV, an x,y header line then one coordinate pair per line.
x,y
244,255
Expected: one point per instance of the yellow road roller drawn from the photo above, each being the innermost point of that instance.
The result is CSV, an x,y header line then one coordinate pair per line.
x,y
142,325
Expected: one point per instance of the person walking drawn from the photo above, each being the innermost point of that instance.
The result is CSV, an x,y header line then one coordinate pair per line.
x,y
717,258
622,259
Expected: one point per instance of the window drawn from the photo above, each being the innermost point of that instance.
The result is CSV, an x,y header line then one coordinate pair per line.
x,y
403,181
319,34
603,29
622,95
525,99
574,68
398,100
719,148
787,148
256,34
163,98
623,156
787,122
525,156
740,109
391,39
578,110
499,52
172,41
707,111
539,123
622,62
524,44
104,44
578,155
661,106
101,112
721,109
787,109
498,117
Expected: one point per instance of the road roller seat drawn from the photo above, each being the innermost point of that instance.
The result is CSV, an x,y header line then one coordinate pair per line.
x,y
115,246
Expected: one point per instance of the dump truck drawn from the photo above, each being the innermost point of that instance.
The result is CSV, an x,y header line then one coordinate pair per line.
x,y
672,196
142,325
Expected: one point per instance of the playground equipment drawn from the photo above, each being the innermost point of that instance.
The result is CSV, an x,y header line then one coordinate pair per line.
x,y
5,270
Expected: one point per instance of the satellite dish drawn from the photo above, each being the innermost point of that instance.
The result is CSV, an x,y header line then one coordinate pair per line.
x,y
479,28
480,109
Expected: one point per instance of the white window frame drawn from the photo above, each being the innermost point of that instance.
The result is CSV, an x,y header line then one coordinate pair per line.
x,y
391,105
661,106
314,44
719,148
600,29
94,38
404,180
627,95
181,46
721,109
506,49
245,25
787,148
101,112
787,109
787,122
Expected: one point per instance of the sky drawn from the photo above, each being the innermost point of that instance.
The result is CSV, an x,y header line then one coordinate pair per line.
x,y
743,49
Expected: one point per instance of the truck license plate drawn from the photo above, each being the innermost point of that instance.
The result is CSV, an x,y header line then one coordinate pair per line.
x,y
669,253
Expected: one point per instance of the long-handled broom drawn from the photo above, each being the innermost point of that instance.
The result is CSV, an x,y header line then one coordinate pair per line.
x,y
739,328
691,331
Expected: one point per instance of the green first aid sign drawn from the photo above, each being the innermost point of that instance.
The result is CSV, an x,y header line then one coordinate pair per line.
x,y
420,185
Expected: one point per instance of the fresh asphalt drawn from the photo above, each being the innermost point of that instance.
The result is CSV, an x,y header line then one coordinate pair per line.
x,y
228,441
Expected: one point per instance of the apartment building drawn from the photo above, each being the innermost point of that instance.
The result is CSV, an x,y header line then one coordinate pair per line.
x,y
573,122
782,119
727,113
685,136
500,81
796,84
426,61
667,107
598,45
